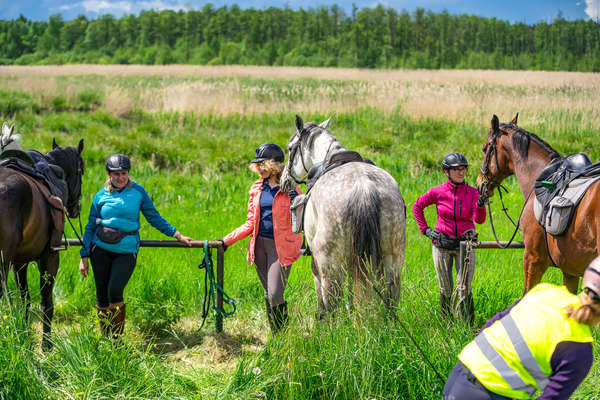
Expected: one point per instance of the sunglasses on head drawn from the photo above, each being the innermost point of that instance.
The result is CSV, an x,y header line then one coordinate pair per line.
x,y
593,295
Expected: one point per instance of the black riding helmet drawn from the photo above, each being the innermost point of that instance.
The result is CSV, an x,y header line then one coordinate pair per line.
x,y
454,160
118,162
268,151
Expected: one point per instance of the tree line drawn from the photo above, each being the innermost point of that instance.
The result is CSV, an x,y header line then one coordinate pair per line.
x,y
367,38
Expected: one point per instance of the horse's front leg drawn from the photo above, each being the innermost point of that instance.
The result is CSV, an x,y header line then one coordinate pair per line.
x,y
21,280
534,267
318,289
571,282
48,265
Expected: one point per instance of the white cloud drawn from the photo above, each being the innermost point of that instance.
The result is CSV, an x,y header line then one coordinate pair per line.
x,y
592,9
124,7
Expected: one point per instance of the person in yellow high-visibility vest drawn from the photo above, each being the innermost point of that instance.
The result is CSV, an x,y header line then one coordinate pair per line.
x,y
542,343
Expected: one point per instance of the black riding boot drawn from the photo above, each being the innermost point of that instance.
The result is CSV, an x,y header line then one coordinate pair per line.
x,y
269,314
280,317
445,305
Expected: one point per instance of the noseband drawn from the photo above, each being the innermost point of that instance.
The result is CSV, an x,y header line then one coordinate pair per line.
x,y
485,167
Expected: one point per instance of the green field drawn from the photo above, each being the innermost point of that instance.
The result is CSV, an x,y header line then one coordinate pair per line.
x,y
194,165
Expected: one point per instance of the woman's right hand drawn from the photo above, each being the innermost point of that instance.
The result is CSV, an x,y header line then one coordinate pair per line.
x,y
223,244
84,266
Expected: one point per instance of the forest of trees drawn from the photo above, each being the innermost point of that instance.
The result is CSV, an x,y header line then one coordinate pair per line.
x,y
368,38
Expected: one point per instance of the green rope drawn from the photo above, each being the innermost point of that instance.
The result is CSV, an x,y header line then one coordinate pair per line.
x,y
215,286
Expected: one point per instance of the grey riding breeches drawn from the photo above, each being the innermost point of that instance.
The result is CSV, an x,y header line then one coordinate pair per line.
x,y
272,277
443,260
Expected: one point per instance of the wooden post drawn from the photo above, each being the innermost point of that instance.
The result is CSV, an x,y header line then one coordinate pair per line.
x,y
219,295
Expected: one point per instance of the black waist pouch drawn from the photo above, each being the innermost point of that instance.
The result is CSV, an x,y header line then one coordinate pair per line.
x,y
111,235
447,242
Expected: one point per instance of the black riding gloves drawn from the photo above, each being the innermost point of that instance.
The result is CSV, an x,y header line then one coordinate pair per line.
x,y
482,200
432,234
223,244
292,195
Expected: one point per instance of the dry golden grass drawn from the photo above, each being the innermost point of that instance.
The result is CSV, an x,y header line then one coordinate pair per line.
x,y
451,94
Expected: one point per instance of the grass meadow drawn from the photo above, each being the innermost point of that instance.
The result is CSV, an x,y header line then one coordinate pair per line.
x,y
190,133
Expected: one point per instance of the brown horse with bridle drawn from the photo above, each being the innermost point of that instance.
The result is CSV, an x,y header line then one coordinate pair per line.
x,y
510,150
26,225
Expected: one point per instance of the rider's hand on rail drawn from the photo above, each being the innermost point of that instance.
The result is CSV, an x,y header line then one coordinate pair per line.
x,y
223,244
84,266
184,239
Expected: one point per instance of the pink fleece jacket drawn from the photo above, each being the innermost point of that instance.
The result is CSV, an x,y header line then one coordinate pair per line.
x,y
456,208
287,242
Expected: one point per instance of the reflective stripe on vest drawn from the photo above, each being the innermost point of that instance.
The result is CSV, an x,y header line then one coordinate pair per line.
x,y
526,358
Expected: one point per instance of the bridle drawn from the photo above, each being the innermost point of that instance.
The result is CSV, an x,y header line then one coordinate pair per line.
x,y
298,146
293,150
485,170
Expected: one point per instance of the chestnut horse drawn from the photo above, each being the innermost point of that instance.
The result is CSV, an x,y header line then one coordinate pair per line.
x,y
26,224
510,150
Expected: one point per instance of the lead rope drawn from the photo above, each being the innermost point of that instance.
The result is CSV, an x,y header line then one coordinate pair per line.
x,y
210,286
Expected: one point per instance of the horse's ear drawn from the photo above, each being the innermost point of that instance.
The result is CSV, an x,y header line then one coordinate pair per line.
x,y
495,123
54,145
325,123
5,129
80,146
299,123
514,120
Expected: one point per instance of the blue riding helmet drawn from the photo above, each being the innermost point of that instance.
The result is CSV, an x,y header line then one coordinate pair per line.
x,y
268,151
118,162
454,160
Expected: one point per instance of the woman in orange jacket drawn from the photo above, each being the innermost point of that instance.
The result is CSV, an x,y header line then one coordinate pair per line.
x,y
273,246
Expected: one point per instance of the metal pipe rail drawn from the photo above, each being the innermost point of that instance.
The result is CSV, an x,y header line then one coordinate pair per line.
x,y
176,244
489,245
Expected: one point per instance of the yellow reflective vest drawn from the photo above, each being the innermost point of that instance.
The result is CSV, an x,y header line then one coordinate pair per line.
x,y
512,356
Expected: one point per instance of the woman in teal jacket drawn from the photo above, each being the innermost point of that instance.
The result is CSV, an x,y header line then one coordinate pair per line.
x,y
112,241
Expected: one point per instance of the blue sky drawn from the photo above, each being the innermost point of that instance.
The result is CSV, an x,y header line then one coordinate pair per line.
x,y
528,11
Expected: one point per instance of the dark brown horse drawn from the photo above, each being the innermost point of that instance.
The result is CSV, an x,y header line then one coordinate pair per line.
x,y
510,150
26,224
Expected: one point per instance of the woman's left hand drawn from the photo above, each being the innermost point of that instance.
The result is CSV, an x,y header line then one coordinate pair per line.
x,y
184,239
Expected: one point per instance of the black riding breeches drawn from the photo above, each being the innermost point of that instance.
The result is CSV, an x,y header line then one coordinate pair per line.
x,y
462,385
111,273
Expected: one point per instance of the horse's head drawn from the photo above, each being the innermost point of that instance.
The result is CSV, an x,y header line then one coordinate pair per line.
x,y
69,159
305,150
9,139
497,162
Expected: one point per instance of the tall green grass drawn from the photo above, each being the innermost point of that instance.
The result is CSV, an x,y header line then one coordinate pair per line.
x,y
195,169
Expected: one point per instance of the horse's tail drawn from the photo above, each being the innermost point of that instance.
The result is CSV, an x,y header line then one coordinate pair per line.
x,y
363,214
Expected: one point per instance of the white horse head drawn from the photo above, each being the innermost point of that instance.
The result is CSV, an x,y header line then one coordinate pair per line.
x,y
9,139
309,145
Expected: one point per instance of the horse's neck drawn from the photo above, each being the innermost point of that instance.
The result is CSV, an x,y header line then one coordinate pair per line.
x,y
12,145
526,171
324,145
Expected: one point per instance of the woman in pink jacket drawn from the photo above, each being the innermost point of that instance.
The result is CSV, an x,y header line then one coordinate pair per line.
x,y
458,206
273,246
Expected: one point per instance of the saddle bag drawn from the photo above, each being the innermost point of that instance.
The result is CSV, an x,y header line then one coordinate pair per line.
x,y
111,235
297,213
558,216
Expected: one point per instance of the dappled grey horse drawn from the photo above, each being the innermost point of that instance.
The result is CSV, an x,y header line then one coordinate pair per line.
x,y
9,139
354,220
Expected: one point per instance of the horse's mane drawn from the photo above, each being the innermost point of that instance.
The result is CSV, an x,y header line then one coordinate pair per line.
x,y
309,126
521,139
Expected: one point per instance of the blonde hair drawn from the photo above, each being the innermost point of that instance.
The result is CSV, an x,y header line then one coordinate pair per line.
x,y
587,313
108,187
275,168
